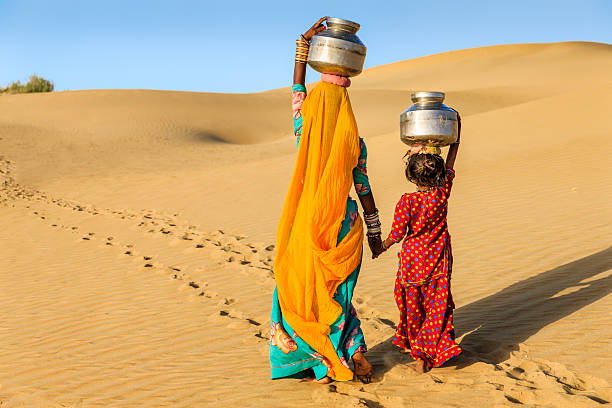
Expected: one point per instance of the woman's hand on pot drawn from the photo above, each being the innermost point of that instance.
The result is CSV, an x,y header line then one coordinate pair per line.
x,y
315,29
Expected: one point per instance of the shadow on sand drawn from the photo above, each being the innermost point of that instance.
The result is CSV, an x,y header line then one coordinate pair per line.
x,y
496,324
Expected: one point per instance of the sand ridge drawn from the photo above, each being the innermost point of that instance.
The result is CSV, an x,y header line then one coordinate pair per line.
x,y
137,258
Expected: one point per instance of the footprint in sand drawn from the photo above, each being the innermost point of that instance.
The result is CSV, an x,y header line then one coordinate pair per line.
x,y
192,285
187,236
149,264
239,320
208,294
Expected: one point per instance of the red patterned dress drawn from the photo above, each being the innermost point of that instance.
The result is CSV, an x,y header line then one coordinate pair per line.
x,y
422,286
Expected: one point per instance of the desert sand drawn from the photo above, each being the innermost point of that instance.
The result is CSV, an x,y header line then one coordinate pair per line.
x,y
138,230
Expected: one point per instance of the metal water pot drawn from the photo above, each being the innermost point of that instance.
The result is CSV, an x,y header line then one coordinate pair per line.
x,y
428,122
337,50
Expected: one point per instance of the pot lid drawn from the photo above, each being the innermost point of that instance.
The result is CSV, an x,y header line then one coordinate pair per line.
x,y
342,24
426,96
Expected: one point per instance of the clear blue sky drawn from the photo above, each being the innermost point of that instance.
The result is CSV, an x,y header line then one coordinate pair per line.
x,y
248,46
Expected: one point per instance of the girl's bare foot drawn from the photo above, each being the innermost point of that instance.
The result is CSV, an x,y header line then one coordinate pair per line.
x,y
363,368
420,366
405,351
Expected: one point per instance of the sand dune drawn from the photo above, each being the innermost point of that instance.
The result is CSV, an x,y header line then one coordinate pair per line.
x,y
138,229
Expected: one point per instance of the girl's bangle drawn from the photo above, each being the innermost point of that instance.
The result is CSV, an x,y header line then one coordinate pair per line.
x,y
384,245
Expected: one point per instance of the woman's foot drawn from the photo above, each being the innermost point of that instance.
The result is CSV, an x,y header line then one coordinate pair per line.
x,y
324,380
311,378
420,366
363,368
405,350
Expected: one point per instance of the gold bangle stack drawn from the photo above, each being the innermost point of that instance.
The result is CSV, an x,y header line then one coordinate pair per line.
x,y
301,50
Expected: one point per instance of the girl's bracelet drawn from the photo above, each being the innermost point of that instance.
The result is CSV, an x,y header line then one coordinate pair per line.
x,y
384,245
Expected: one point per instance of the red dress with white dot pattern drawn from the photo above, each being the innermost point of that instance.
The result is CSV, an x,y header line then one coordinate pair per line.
x,y
422,286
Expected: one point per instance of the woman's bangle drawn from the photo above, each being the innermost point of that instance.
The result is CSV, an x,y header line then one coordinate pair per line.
x,y
302,47
372,222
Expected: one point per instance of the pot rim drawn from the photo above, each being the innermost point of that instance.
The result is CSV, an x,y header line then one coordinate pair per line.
x,y
341,21
427,96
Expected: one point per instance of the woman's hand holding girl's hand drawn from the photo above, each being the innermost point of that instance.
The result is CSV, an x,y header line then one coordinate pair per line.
x,y
376,246
315,29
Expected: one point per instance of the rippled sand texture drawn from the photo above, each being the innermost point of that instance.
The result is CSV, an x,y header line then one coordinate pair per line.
x,y
138,229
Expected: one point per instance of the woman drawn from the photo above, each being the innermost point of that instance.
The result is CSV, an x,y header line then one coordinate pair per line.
x,y
315,329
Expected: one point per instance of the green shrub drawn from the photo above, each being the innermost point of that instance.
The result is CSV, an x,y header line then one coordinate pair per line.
x,y
35,84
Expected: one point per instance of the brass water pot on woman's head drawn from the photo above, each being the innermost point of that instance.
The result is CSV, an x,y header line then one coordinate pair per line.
x,y
337,50
428,122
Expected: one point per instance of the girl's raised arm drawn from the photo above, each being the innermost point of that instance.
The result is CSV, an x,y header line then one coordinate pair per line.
x,y
452,152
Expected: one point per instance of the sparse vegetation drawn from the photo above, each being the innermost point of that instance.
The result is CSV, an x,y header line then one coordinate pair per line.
x,y
34,84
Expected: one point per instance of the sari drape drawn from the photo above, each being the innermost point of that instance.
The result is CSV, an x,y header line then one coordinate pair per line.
x,y
310,263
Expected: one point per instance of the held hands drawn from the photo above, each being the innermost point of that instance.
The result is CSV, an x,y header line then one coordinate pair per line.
x,y
315,29
376,245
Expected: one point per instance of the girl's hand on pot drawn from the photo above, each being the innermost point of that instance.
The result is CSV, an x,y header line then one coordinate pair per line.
x,y
458,126
315,29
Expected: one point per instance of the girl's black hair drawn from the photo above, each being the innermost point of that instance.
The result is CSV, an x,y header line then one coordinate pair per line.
x,y
426,170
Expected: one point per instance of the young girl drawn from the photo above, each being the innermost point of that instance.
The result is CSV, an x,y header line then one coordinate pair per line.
x,y
422,286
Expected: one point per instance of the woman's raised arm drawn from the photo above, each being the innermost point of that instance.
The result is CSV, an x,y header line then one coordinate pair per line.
x,y
299,71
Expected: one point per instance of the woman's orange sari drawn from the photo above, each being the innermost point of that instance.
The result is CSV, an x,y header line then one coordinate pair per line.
x,y
310,264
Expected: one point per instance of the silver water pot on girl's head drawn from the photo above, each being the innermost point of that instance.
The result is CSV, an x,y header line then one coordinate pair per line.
x,y
428,122
337,50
